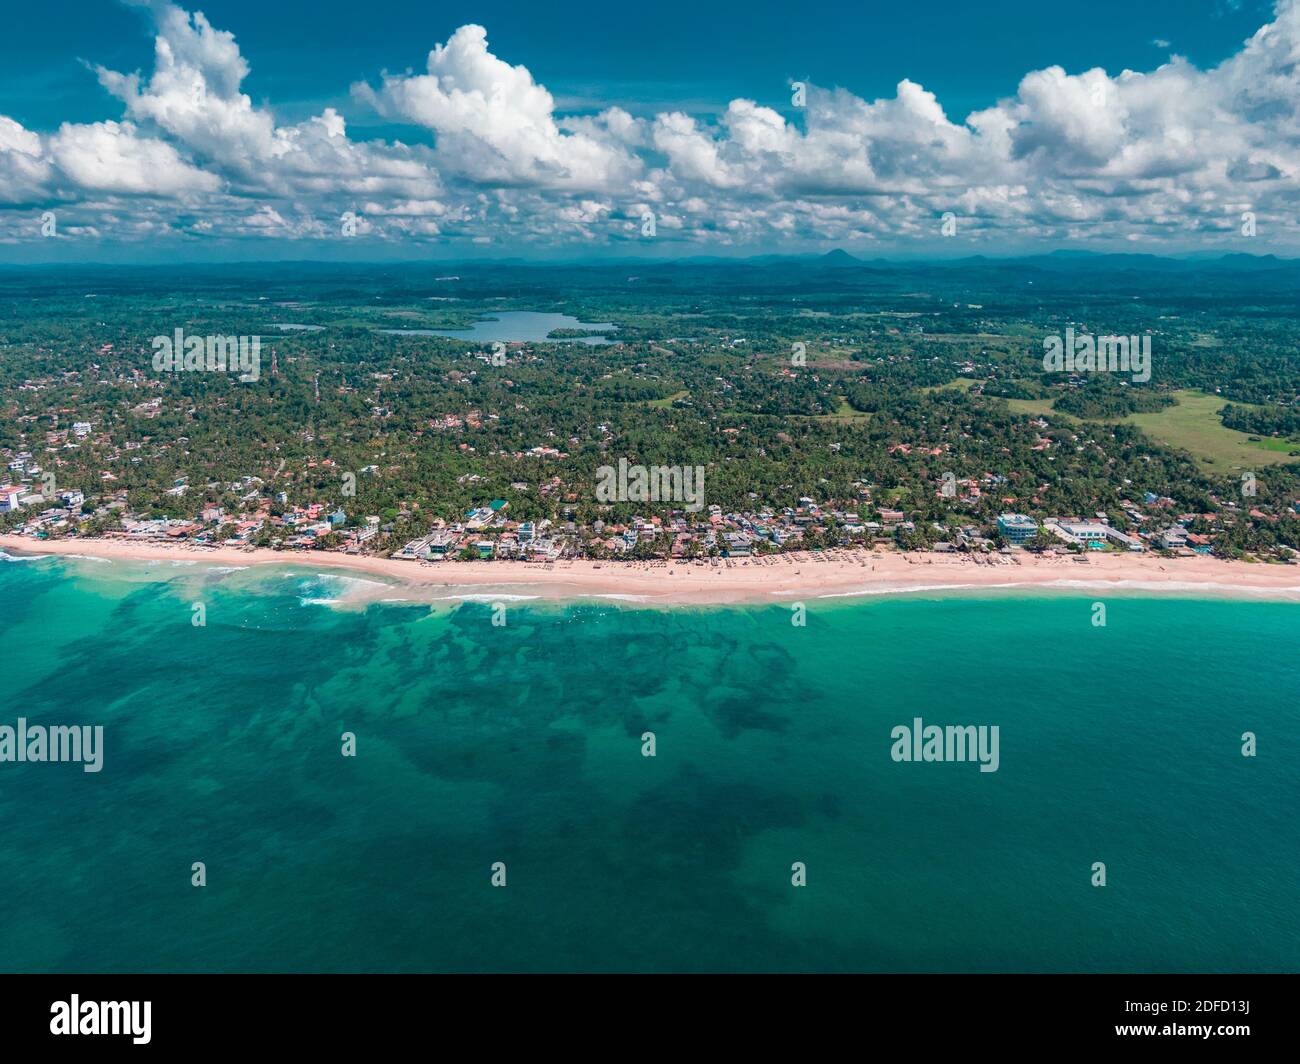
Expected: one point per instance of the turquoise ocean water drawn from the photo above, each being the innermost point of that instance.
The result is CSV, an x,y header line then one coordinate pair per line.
x,y
522,744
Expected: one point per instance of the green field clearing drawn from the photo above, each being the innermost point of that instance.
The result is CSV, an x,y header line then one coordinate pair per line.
x,y
667,400
843,412
1036,407
961,384
1193,425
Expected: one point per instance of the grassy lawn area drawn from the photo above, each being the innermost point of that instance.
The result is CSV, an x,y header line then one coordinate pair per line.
x,y
1036,407
668,400
843,412
1194,425
961,384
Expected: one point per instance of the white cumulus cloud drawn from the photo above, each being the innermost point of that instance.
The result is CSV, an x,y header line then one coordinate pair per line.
x,y
1169,155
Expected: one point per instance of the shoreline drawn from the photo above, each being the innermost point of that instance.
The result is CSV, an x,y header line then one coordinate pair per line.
x,y
775,579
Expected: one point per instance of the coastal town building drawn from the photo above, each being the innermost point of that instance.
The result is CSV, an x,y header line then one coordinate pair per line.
x,y
1017,529
1172,538
1089,534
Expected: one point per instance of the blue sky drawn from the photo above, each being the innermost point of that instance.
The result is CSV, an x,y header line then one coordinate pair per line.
x,y
680,112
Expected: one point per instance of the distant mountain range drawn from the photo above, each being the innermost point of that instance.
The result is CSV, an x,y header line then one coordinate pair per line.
x,y
838,259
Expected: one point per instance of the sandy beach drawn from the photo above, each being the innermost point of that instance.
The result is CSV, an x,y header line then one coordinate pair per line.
x,y
832,574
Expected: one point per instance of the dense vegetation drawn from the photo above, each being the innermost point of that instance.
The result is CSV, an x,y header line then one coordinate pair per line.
x,y
862,384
